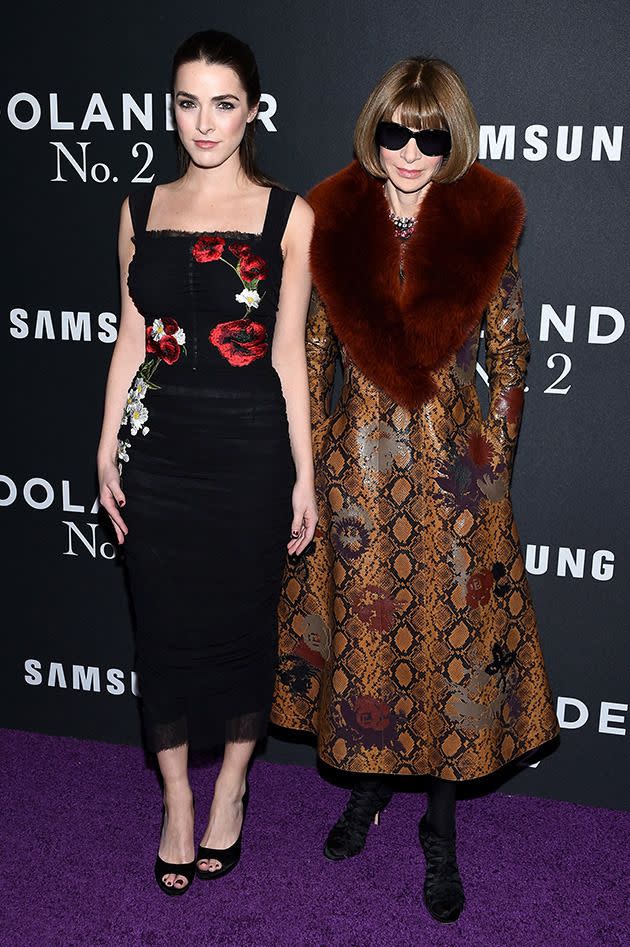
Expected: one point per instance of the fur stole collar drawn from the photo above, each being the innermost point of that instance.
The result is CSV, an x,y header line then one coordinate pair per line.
x,y
398,333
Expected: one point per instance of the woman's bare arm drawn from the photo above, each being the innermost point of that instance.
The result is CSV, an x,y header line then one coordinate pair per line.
x,y
289,360
126,358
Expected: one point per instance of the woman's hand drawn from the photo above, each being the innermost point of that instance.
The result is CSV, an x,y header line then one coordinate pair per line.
x,y
112,498
304,517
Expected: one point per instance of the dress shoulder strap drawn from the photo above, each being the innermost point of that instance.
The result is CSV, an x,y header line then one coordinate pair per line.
x,y
280,204
140,202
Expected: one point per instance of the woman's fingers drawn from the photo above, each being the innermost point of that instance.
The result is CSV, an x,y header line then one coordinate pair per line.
x,y
297,526
120,536
308,531
119,525
117,493
111,499
302,531
304,540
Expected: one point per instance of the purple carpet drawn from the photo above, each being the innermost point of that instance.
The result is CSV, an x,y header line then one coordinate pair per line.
x,y
80,825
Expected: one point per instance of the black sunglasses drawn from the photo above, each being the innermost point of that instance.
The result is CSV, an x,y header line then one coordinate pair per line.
x,y
430,141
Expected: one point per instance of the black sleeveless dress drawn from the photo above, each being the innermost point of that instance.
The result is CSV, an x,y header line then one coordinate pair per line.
x,y
207,472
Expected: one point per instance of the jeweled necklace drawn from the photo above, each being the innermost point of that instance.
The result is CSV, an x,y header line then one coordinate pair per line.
x,y
403,226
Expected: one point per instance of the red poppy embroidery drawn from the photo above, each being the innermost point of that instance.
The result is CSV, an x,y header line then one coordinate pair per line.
x,y
171,326
252,267
152,344
240,249
241,341
164,338
169,349
208,249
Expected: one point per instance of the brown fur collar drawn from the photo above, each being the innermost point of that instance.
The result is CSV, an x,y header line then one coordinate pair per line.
x,y
398,334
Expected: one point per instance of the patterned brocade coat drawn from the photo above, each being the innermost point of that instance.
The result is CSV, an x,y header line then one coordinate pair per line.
x,y
408,641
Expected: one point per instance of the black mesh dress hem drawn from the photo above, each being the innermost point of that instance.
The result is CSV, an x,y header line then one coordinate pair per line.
x,y
245,728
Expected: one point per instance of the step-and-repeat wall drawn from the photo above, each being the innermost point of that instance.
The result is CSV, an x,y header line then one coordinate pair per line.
x,y
85,117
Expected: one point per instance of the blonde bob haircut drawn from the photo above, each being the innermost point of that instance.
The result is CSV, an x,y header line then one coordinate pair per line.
x,y
423,93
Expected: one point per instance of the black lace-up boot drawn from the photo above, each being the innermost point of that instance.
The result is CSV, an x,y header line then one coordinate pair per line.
x,y
443,889
347,836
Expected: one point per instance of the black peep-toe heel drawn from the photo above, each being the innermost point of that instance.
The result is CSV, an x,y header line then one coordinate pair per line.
x,y
229,857
187,869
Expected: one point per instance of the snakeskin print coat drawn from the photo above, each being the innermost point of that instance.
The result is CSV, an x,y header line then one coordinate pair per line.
x,y
408,641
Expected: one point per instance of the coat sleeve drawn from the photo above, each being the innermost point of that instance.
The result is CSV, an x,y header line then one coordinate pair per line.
x,y
321,355
507,356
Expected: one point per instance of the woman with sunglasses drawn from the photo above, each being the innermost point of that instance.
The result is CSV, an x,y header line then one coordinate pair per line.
x,y
408,638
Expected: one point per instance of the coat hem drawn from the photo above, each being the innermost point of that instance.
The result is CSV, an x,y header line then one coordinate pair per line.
x,y
530,748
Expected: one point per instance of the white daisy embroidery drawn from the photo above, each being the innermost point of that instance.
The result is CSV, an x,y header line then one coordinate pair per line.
x,y
138,414
157,329
140,388
249,297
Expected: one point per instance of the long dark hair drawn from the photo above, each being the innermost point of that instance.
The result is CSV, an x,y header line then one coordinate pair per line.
x,y
222,49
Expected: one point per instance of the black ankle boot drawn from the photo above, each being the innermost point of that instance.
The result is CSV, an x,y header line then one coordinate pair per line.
x,y
347,836
443,889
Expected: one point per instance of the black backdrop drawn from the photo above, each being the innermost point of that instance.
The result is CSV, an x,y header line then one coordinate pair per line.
x,y
84,119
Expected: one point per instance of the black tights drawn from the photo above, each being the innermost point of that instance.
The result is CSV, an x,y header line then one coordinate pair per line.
x,y
441,798
441,795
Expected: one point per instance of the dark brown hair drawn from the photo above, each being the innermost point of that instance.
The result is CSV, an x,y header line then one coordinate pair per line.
x,y
223,49
429,94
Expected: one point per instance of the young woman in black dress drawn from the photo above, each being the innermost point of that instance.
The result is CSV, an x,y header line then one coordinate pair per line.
x,y
212,463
